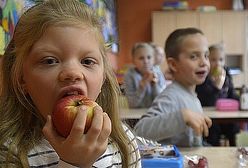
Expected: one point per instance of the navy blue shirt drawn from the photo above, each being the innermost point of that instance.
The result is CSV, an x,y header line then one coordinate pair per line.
x,y
208,93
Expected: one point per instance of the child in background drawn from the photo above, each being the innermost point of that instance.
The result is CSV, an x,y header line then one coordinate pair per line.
x,y
141,82
176,116
160,63
58,50
218,84
159,55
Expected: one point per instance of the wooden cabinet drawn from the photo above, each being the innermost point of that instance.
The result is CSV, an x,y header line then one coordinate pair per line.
x,y
162,26
227,27
212,28
186,19
233,31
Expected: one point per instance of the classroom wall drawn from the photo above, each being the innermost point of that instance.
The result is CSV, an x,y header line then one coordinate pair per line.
x,y
134,22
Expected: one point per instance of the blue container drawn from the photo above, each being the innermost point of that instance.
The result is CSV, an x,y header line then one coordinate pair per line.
x,y
175,161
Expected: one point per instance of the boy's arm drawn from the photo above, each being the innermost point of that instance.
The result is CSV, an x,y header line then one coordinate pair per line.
x,y
163,120
199,122
166,119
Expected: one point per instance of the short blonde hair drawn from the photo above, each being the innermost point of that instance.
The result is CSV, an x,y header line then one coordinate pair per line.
x,y
219,47
137,46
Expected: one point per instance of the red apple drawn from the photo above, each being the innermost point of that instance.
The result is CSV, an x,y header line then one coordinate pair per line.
x,y
65,112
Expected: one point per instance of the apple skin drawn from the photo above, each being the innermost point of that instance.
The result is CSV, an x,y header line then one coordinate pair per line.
x,y
216,71
65,112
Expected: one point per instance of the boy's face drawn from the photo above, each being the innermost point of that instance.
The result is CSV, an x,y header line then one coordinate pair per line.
x,y
143,59
192,65
64,61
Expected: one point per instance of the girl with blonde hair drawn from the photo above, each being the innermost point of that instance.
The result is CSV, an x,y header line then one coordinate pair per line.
x,y
58,50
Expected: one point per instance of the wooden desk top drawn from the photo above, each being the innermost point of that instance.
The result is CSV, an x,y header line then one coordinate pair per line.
x,y
209,111
218,157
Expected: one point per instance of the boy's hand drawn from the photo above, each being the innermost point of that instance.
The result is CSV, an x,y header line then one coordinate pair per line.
x,y
199,122
81,149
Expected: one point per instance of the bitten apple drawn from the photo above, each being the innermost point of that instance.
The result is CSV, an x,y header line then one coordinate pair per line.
x,y
65,112
216,71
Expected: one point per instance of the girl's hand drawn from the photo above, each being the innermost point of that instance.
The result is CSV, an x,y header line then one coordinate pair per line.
x,y
154,78
81,149
199,122
219,78
148,77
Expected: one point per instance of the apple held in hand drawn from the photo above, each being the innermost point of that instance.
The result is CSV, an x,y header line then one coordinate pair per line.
x,y
65,112
216,71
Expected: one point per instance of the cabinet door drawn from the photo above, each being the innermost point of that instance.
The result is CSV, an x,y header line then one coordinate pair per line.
x,y
239,80
163,23
233,27
187,19
211,25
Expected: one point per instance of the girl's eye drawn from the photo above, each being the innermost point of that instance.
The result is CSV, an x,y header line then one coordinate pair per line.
x,y
88,62
50,60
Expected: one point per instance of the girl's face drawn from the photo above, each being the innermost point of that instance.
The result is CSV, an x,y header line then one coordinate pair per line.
x,y
143,59
64,61
159,56
192,66
217,60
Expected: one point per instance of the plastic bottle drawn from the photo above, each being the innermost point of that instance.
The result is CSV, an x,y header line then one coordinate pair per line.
x,y
238,5
197,141
244,98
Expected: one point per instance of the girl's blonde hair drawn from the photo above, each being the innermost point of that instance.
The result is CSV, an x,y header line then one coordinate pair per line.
x,y
21,124
218,47
137,46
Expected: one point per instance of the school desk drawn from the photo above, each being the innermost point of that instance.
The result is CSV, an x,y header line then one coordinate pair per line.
x,y
135,114
217,157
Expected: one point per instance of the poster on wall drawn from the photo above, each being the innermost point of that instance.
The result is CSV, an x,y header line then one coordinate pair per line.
x,y
10,11
106,9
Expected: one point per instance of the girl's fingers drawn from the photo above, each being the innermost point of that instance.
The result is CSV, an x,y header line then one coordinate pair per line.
x,y
106,128
78,126
96,125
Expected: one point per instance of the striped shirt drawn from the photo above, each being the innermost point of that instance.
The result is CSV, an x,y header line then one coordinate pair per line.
x,y
44,156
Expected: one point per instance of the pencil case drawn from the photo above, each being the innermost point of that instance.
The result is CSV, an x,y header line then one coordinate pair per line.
x,y
161,157
227,105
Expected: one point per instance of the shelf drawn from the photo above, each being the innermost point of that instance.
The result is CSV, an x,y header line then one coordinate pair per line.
x,y
235,61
